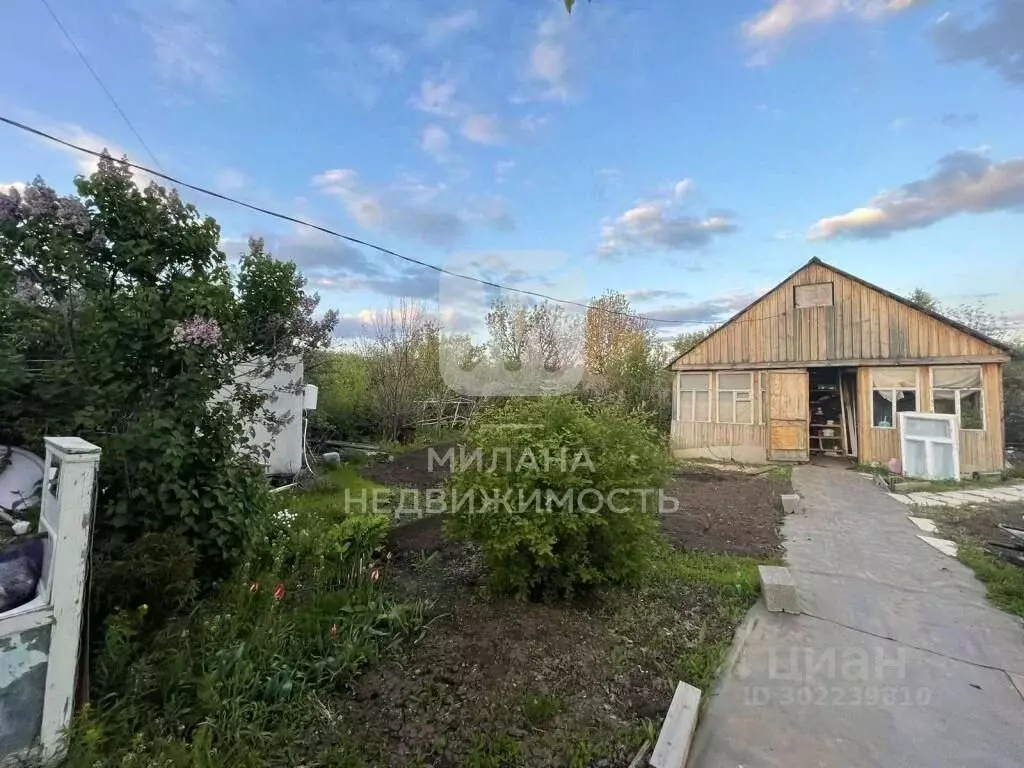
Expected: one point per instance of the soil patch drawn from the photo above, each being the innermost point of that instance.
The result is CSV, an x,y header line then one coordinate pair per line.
x,y
496,682
409,469
980,524
725,512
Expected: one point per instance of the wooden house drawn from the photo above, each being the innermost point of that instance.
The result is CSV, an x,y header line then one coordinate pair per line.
x,y
824,363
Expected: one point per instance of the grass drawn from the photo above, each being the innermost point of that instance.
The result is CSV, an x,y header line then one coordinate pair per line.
x,y
1003,581
237,678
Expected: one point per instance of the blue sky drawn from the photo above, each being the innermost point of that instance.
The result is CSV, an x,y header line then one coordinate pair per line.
x,y
688,154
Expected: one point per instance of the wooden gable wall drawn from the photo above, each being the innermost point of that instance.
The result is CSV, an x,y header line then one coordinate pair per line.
x,y
863,326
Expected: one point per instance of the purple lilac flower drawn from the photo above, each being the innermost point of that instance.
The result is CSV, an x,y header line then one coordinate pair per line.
x,y
40,200
71,213
196,331
10,204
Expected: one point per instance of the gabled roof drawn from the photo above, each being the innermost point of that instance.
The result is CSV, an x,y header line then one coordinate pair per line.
x,y
895,297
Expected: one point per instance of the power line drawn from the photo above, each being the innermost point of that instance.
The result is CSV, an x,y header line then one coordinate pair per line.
x,y
348,238
99,80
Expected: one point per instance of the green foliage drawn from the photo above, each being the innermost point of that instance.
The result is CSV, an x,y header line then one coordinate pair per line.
x,y
236,680
687,340
540,710
547,543
122,325
344,409
496,750
1004,582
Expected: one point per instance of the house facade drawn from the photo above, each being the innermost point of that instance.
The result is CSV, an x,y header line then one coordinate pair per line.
x,y
825,363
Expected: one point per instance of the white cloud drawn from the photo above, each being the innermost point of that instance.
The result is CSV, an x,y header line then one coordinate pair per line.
x,y
652,225
437,97
784,16
494,212
390,58
706,311
533,123
549,62
996,42
964,182
441,29
436,142
482,129
7,186
87,164
187,45
683,188
409,208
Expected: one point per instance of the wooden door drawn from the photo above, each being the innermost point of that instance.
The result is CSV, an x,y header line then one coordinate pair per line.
x,y
788,415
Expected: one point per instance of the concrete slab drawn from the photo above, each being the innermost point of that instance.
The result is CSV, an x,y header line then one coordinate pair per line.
x,y
960,496
897,659
926,525
945,546
902,498
790,503
779,589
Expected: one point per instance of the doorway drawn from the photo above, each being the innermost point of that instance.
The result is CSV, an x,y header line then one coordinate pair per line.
x,y
833,412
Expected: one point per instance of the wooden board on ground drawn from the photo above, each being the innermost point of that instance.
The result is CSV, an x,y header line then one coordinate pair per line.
x,y
673,745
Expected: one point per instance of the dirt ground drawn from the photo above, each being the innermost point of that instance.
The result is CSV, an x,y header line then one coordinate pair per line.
x,y
725,512
980,524
409,469
496,682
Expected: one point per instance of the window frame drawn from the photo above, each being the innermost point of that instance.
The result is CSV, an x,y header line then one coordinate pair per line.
x,y
749,390
832,287
916,389
693,401
980,389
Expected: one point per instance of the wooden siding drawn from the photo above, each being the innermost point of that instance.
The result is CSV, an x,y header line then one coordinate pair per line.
x,y
728,442
863,326
980,450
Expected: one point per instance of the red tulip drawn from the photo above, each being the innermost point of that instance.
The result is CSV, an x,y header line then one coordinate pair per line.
x,y
334,630
374,574
279,592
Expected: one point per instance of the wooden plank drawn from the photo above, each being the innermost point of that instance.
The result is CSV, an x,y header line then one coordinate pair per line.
x,y
673,745
850,363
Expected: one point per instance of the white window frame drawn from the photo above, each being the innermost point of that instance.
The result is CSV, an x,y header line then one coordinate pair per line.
x,y
980,389
692,416
930,473
749,391
916,389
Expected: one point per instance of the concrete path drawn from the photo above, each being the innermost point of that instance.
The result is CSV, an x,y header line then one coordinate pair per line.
x,y
897,660
998,494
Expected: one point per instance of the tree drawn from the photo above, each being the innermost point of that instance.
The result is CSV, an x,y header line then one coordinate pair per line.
x,y
541,335
613,333
125,328
924,299
278,317
687,340
400,353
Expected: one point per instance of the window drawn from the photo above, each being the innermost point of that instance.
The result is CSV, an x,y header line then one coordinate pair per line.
x,y
893,390
735,404
694,397
957,391
813,295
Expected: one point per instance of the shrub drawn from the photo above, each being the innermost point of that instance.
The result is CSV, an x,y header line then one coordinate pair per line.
x,y
543,546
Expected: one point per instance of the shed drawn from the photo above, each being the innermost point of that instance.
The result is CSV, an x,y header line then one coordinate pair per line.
x,y
823,364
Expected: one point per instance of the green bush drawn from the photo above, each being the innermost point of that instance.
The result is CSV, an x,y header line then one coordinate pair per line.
x,y
545,543
344,410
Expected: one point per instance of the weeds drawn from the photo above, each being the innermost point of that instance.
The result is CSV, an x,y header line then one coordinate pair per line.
x,y
234,680
1004,582
540,710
